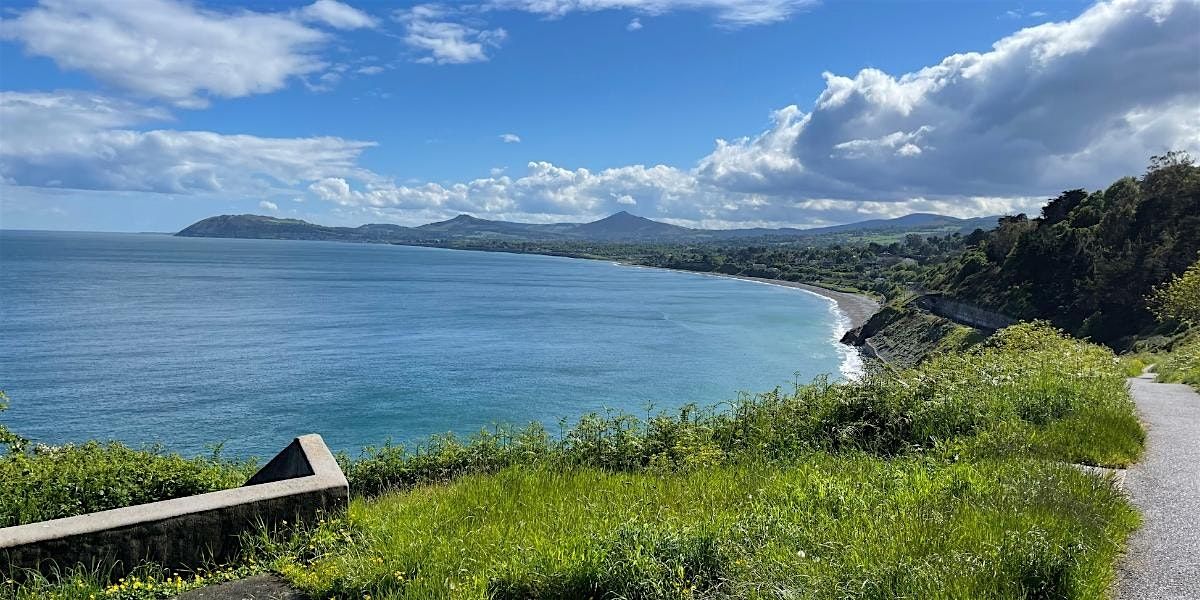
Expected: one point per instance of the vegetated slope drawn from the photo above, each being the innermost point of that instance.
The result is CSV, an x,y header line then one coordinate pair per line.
x,y
1090,260
624,226
263,227
904,335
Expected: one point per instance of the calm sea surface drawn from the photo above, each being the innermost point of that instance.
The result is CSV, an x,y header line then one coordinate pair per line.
x,y
190,341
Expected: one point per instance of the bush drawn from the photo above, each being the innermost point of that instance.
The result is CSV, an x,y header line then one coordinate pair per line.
x,y
53,482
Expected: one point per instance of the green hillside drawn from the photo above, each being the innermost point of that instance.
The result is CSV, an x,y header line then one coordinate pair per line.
x,y
1089,262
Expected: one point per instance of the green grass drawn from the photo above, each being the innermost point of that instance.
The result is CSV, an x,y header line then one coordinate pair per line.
x,y
943,481
1133,365
1181,364
852,526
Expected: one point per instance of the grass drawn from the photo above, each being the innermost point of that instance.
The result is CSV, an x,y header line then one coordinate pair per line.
x,y
1133,365
1177,361
1181,364
853,526
943,481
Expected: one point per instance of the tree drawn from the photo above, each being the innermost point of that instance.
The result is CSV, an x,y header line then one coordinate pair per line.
x,y
1179,298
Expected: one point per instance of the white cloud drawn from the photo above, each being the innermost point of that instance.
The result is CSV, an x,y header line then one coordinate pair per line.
x,y
510,138
1019,13
337,15
172,50
1051,107
634,25
441,41
84,141
730,13
268,205
370,70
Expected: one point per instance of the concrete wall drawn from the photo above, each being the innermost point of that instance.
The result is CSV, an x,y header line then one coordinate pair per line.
x,y
963,313
296,486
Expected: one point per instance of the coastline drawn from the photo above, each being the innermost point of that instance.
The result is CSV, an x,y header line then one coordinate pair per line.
x,y
856,308
850,311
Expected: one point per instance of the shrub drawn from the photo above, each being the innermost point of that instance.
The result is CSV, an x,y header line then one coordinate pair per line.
x,y
48,482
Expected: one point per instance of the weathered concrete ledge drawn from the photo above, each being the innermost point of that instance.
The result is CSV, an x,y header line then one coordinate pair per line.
x,y
963,313
300,483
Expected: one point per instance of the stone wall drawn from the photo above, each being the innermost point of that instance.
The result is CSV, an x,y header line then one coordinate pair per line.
x,y
301,483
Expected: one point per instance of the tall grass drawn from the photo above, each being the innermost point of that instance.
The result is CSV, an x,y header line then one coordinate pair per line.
x,y
844,526
1181,364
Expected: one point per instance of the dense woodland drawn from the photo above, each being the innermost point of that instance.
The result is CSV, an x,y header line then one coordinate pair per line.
x,y
1091,260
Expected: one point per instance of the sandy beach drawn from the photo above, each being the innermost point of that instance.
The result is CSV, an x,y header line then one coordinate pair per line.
x,y
857,307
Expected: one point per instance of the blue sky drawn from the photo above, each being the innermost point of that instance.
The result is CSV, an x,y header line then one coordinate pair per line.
x,y
150,114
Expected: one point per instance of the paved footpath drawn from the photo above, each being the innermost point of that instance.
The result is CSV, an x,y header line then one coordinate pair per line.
x,y
1163,558
258,587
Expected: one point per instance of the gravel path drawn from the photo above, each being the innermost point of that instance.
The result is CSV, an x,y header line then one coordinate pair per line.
x,y
1163,558
257,587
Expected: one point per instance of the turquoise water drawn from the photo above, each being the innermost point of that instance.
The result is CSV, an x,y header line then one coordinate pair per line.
x,y
190,341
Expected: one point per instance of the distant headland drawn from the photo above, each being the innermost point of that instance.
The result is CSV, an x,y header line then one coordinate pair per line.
x,y
618,227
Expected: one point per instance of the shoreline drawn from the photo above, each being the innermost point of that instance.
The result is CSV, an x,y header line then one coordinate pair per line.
x,y
856,308
850,311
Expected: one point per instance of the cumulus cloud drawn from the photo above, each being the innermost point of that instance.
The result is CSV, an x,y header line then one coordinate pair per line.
x,y
1050,107
550,193
439,40
634,25
337,15
268,205
510,138
731,13
84,141
177,51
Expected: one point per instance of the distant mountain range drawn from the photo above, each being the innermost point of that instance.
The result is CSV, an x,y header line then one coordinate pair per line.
x,y
619,227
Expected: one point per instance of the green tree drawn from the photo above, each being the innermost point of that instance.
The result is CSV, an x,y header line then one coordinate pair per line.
x,y
1179,298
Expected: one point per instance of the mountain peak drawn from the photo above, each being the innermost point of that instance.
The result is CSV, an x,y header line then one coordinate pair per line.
x,y
622,216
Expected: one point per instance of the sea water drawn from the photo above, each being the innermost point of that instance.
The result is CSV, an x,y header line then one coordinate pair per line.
x,y
190,342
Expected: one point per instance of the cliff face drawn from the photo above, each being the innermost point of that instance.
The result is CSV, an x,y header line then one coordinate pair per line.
x,y
906,334
963,313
